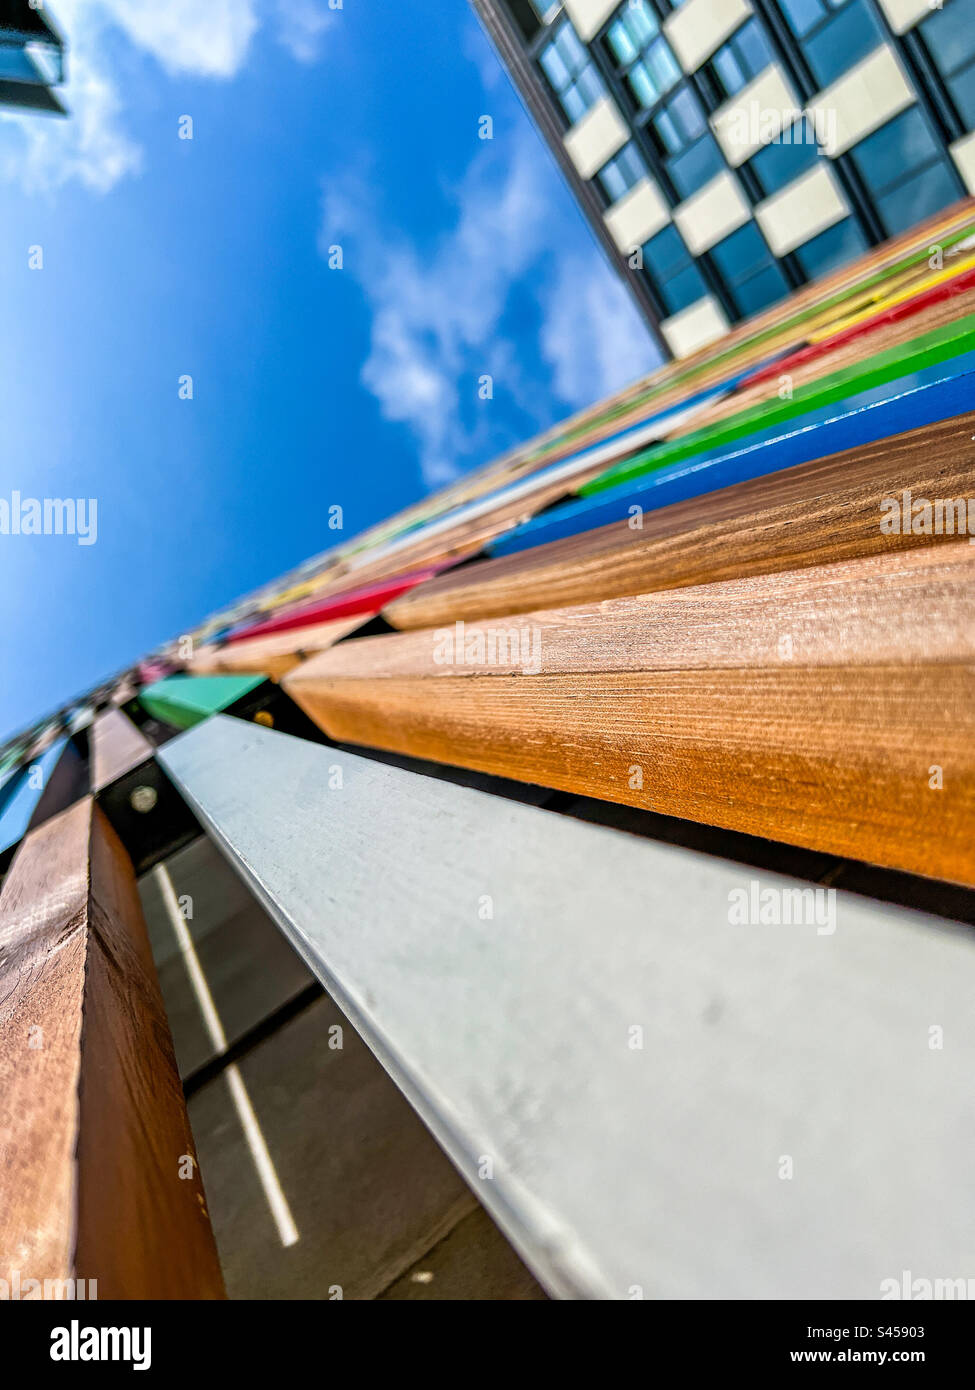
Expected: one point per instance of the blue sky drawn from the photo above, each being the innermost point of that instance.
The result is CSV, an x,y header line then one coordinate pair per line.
x,y
208,257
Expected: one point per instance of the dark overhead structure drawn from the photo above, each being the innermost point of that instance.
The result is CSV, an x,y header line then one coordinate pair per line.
x,y
31,58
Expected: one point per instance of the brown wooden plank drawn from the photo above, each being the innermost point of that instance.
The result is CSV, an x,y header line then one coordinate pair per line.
x,y
116,747
816,513
275,654
93,1123
807,707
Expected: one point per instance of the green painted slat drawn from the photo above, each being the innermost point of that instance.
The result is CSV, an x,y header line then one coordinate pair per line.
x,y
794,321
925,351
187,700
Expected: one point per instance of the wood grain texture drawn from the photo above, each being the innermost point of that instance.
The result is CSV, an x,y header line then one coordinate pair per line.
x,y
815,513
406,546
912,606
91,1109
272,656
808,707
115,747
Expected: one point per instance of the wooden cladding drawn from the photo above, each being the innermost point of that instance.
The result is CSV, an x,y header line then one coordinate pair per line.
x,y
826,510
830,707
101,1179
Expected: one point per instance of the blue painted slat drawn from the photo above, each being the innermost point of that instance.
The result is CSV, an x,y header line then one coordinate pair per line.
x,y
20,800
936,393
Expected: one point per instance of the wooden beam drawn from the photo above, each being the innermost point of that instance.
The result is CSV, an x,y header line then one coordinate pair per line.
x,y
810,706
936,394
276,654
116,747
818,512
613,1065
98,1156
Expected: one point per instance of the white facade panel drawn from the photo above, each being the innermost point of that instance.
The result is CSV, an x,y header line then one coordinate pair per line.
x,y
596,137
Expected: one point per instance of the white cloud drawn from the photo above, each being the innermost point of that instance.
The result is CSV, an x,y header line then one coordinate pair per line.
x,y
437,321
301,25
186,36
43,152
208,39
477,47
434,321
593,337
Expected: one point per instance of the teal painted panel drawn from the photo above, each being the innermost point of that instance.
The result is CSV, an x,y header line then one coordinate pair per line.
x,y
187,700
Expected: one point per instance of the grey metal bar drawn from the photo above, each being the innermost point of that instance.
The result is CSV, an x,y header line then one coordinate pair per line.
x,y
652,1097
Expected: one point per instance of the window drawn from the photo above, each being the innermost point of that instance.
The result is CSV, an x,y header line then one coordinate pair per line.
x,y
531,15
679,132
906,171
621,173
830,249
571,73
949,37
641,55
794,152
671,269
834,34
751,272
737,62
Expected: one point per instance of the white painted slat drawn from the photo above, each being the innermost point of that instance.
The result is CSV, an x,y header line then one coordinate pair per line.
x,y
618,1170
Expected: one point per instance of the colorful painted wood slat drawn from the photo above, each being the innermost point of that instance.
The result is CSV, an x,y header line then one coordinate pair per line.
x,y
22,795
884,411
820,511
801,373
930,350
590,427
808,706
184,700
101,1179
909,308
365,601
784,326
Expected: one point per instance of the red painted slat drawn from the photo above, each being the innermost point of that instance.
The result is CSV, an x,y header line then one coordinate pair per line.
x,y
905,310
368,600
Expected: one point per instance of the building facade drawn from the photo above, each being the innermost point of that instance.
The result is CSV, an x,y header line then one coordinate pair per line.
x,y
31,57
726,152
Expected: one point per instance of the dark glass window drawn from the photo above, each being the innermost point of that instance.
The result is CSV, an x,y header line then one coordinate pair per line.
x,y
906,171
571,73
737,62
794,152
641,54
680,134
802,16
621,173
671,268
830,249
751,272
949,36
835,34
